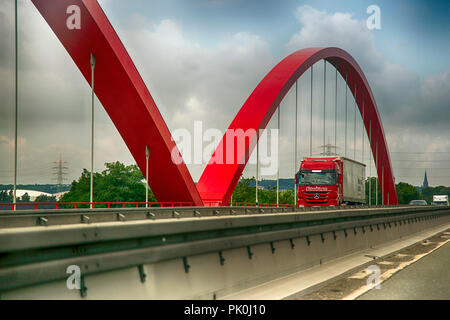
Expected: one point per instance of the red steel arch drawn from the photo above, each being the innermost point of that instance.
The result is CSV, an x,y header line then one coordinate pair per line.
x,y
123,94
218,181
126,99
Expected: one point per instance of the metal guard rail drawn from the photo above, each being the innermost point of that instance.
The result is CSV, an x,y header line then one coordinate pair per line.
x,y
30,256
76,205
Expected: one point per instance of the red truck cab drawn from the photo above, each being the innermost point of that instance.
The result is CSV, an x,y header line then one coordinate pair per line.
x,y
330,181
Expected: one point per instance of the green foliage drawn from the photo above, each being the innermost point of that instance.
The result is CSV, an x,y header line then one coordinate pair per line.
x,y
26,197
374,183
6,197
427,193
117,183
406,193
45,198
245,192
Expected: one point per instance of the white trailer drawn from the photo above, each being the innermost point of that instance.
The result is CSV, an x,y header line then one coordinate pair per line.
x,y
354,176
440,200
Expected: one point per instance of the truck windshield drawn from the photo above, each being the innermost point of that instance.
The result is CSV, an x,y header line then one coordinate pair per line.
x,y
317,178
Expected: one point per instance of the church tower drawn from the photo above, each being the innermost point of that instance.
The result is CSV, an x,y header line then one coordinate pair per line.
x,y
425,181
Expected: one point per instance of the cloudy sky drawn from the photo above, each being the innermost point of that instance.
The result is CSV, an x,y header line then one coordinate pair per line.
x,y
202,58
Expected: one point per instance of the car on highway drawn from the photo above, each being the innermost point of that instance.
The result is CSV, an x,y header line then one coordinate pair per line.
x,y
418,203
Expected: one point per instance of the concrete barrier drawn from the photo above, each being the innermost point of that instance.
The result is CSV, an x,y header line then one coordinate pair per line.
x,y
216,271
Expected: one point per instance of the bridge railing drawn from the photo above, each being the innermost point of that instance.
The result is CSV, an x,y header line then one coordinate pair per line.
x,y
120,204
79,205
123,204
266,205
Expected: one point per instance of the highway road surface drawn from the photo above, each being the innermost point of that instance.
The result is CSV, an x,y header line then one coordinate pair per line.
x,y
426,279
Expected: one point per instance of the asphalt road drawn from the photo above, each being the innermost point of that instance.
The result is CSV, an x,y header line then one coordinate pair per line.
x,y
426,279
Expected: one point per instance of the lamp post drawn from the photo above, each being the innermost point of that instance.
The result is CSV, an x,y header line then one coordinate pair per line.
x,y
147,156
92,130
16,104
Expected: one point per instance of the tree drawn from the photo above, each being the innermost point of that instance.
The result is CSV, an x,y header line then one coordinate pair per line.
x,y
406,193
6,197
45,198
117,183
26,197
427,193
374,183
245,192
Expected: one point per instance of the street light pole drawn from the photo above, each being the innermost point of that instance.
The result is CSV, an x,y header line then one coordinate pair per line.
x,y
278,151
310,118
295,140
147,156
257,166
16,104
324,98
92,130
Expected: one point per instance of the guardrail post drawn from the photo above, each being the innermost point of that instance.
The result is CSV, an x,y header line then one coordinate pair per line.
x,y
249,252
142,274
186,265
83,288
221,258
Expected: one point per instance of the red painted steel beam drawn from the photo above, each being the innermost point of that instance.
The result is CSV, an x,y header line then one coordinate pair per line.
x,y
123,94
218,181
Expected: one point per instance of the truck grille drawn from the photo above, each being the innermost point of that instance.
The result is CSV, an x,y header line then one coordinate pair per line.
x,y
316,197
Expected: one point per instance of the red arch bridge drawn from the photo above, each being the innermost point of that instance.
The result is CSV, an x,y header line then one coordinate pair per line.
x,y
133,111
209,252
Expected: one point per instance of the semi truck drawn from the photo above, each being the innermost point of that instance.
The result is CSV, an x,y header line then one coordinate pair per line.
x,y
330,181
440,200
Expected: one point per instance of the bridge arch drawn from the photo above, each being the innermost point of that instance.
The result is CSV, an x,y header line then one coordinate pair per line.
x,y
129,104
219,180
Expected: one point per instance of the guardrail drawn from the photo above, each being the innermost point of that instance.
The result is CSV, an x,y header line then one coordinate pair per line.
x,y
163,235
29,218
76,205
9,206
264,205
